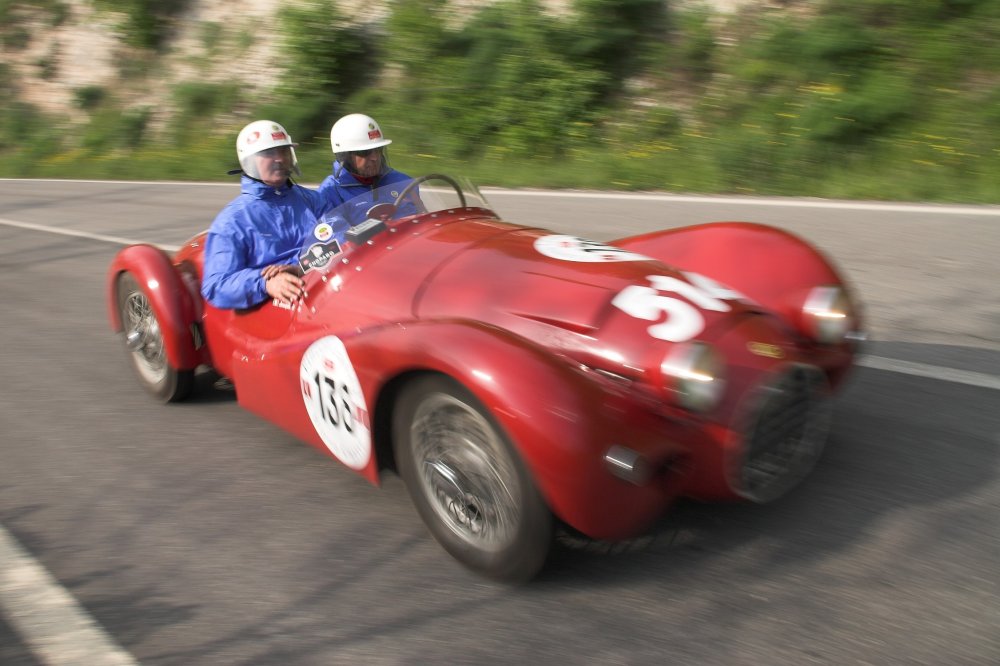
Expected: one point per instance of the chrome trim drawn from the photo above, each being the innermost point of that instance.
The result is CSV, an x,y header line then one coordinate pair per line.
x,y
628,465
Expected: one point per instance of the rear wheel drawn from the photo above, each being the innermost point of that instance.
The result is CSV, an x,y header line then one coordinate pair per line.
x,y
144,344
468,483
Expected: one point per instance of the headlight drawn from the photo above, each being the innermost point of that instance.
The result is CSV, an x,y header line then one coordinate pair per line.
x,y
827,315
694,374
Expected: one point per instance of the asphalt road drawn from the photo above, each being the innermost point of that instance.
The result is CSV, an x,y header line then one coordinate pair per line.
x,y
199,534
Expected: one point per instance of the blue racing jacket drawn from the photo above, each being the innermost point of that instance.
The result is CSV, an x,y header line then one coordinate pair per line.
x,y
262,226
341,186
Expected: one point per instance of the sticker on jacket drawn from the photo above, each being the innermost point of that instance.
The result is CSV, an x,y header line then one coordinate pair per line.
x,y
323,232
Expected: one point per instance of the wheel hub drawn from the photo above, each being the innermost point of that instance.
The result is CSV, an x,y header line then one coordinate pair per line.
x,y
463,473
143,338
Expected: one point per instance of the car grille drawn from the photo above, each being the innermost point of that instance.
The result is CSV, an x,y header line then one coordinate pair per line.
x,y
787,427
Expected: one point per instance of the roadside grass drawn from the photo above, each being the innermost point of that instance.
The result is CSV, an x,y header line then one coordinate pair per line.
x,y
946,157
897,173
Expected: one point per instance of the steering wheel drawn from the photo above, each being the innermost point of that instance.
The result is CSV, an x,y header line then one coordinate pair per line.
x,y
431,176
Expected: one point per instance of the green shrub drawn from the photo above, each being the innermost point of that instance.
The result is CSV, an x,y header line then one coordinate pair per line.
x,y
89,97
697,49
147,24
498,85
198,102
618,38
210,35
48,65
15,37
132,127
326,61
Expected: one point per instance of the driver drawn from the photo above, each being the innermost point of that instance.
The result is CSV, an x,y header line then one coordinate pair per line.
x,y
360,168
252,246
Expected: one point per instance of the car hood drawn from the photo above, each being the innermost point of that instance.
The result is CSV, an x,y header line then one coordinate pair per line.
x,y
610,309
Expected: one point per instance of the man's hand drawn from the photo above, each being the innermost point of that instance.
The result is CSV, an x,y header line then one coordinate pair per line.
x,y
283,283
270,271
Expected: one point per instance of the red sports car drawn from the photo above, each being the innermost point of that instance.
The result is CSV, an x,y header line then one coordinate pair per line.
x,y
517,379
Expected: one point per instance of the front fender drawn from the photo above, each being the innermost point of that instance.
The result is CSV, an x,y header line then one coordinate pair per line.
x,y
561,417
170,298
771,266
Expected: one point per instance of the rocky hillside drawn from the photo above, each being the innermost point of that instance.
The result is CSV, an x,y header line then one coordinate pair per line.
x,y
56,50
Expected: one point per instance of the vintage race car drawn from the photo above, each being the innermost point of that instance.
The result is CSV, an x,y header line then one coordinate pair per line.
x,y
521,380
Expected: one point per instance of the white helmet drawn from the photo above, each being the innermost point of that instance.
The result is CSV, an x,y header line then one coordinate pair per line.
x,y
356,132
258,136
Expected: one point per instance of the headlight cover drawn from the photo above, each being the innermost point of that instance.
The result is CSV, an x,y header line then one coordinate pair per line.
x,y
827,314
694,375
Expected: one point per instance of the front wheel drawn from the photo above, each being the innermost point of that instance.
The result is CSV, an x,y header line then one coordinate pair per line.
x,y
144,344
468,483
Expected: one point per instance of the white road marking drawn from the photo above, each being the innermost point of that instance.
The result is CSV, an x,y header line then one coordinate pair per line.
x,y
116,240
781,202
209,183
47,617
938,209
979,379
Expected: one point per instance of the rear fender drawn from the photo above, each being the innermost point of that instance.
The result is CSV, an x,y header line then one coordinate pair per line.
x,y
169,296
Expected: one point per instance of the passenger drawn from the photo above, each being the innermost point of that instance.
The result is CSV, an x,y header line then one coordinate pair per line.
x,y
252,246
361,167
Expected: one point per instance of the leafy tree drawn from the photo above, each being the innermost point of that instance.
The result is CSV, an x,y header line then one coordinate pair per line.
x,y
327,60
617,37
499,83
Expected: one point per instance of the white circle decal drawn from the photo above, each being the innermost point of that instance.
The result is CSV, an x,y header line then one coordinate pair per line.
x,y
574,248
323,231
332,396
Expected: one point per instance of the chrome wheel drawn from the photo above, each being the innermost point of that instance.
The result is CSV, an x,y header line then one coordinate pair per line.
x,y
464,472
144,342
468,481
143,338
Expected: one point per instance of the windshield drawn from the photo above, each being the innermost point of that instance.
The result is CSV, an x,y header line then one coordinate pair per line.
x,y
365,215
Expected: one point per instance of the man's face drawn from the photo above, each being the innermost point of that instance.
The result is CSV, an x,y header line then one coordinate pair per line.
x,y
367,163
274,165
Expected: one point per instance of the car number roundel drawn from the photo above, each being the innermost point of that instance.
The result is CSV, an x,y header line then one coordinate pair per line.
x,y
333,398
574,248
677,320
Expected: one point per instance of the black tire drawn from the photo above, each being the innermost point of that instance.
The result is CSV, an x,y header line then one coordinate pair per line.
x,y
144,344
468,483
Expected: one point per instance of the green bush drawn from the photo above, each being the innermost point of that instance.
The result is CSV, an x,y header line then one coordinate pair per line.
x,y
147,24
17,16
619,38
89,97
498,85
132,127
326,61
198,102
